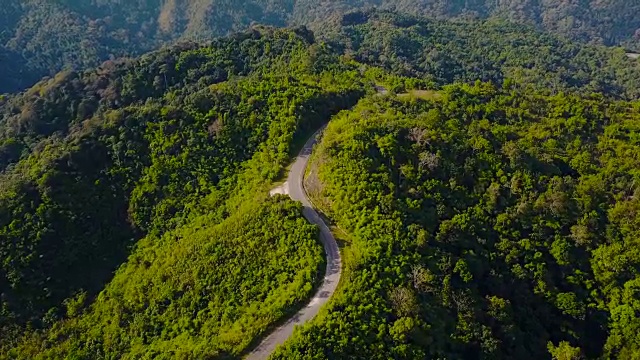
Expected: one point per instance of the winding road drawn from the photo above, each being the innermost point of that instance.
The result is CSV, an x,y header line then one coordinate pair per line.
x,y
334,267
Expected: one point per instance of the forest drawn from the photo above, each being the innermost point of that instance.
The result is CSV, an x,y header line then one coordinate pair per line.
x,y
444,52
155,177
487,203
41,37
484,222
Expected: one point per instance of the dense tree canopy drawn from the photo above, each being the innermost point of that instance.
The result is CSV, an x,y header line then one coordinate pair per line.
x,y
488,201
609,22
115,161
444,52
486,222
41,37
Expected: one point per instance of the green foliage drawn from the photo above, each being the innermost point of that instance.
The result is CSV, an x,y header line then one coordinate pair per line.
x,y
175,74
442,52
492,220
486,223
198,292
564,351
148,161
42,37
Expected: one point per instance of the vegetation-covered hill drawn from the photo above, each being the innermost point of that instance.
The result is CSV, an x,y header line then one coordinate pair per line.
x,y
199,292
40,37
609,22
494,219
143,159
486,223
443,52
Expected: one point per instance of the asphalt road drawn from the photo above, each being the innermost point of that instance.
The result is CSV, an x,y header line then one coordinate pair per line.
x,y
334,266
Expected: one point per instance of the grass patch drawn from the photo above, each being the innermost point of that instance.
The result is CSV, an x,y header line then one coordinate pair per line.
x,y
421,94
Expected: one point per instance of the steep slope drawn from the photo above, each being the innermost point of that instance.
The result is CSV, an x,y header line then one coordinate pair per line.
x,y
333,271
42,37
434,51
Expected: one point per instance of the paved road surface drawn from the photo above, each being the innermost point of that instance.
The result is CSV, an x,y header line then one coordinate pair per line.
x,y
334,268
381,90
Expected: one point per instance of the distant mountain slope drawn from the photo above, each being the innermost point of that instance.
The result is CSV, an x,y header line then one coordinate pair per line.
x,y
444,51
40,37
602,21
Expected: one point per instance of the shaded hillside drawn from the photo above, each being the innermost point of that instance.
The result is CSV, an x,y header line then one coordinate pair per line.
x,y
443,52
609,22
41,37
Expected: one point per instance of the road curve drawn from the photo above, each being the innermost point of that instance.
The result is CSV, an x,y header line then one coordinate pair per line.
x,y
334,266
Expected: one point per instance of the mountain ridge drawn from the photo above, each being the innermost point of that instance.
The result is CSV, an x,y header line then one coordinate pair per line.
x,y
42,37
484,178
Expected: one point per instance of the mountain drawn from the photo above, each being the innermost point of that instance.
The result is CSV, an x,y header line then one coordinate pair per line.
x,y
481,178
483,222
41,37
138,168
443,52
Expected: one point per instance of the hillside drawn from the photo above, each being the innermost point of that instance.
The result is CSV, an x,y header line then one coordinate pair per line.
x,y
484,223
420,51
41,37
481,179
122,170
609,22
442,52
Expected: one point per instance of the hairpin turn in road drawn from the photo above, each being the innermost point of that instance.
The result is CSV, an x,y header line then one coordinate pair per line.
x,y
334,267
